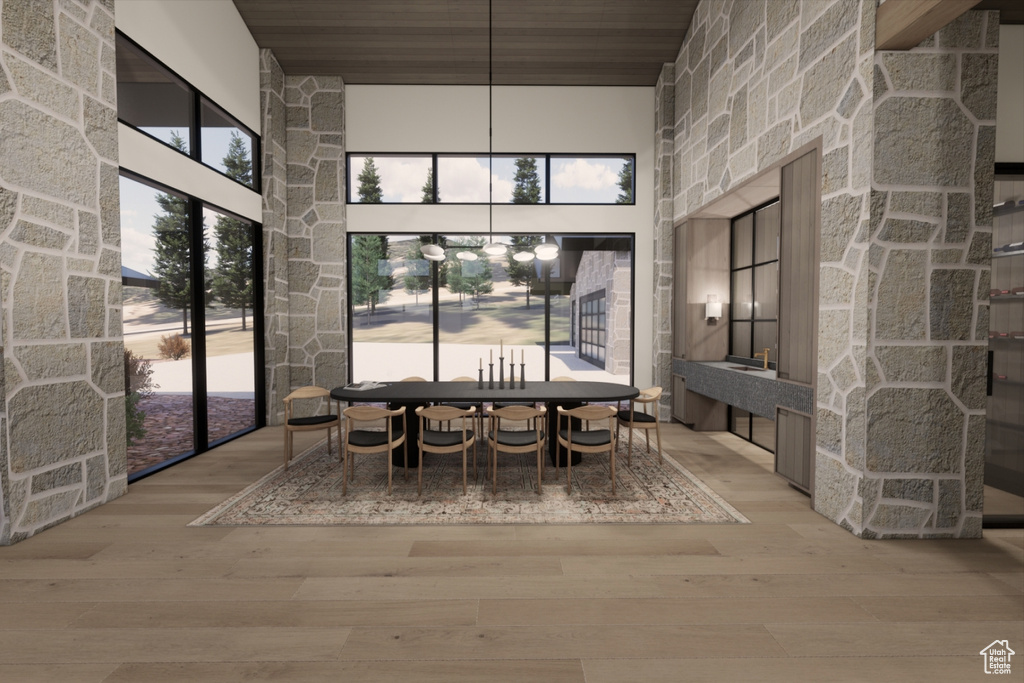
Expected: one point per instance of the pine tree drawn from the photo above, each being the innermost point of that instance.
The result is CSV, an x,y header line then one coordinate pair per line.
x,y
428,189
521,274
625,183
232,281
171,263
369,183
527,182
371,283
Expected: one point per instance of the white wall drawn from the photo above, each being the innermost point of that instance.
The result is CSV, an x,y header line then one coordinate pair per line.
x,y
526,119
1010,105
206,43
203,41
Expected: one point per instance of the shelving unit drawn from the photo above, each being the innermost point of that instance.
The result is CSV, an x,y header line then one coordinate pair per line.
x,y
1004,456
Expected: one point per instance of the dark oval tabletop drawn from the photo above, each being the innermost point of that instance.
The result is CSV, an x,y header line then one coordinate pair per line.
x,y
540,392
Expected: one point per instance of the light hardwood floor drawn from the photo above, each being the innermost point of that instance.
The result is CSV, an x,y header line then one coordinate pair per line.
x,y
127,592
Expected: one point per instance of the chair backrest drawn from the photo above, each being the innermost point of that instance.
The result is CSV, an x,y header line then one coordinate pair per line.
x,y
443,413
588,413
372,413
647,397
413,379
463,378
563,378
517,414
303,393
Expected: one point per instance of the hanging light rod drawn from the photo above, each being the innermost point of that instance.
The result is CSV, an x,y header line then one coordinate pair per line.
x,y
492,248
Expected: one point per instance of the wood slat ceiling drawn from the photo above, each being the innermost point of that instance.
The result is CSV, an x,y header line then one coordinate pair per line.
x,y
445,42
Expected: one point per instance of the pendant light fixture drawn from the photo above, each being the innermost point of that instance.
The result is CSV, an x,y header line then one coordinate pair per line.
x,y
492,248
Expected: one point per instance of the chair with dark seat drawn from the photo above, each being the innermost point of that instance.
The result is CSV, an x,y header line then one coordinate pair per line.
x,y
573,438
307,423
515,441
386,438
452,440
465,405
641,419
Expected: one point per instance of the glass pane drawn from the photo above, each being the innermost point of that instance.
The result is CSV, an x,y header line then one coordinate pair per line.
x,y
519,180
766,291
156,274
230,339
392,310
766,236
226,147
762,432
765,338
740,422
591,180
465,180
150,98
741,340
742,307
390,179
742,241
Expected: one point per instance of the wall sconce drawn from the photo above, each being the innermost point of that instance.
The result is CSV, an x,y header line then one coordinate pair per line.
x,y
713,308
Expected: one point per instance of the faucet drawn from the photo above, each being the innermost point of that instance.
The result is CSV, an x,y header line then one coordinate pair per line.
x,y
765,354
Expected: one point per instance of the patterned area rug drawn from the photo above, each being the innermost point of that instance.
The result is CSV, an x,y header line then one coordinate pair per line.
x,y
308,493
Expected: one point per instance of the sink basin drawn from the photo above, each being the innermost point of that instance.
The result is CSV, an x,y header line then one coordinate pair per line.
x,y
745,368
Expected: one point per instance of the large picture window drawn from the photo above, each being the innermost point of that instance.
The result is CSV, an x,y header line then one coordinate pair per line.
x,y
192,366
501,179
451,318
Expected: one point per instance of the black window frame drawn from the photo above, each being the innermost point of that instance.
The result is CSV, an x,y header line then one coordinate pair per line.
x,y
199,99
752,268
542,159
200,406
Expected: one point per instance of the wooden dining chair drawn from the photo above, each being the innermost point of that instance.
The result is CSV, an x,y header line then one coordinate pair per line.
x,y
464,405
517,440
640,419
586,441
307,423
363,436
445,441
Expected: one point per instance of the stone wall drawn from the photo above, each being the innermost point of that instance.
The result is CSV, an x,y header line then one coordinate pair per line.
x,y
664,131
753,86
929,266
275,234
304,230
62,426
610,271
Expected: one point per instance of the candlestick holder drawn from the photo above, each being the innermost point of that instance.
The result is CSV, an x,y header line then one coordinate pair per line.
x,y
501,372
480,382
512,375
490,383
522,375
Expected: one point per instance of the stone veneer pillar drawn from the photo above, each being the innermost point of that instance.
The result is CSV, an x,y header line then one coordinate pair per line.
x,y
62,425
304,230
664,144
904,270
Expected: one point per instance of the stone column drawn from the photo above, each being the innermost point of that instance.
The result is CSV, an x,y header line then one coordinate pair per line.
x,y
930,258
275,235
317,238
62,449
664,134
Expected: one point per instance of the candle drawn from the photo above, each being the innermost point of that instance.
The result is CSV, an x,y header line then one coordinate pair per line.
x,y
481,363
501,349
492,356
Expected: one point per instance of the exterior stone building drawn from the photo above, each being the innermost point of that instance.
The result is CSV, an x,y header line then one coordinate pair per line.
x,y
907,149
607,273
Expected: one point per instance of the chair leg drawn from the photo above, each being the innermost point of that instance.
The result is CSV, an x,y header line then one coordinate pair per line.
x,y
568,470
405,454
540,468
345,462
613,469
629,448
287,450
391,467
494,473
419,475
661,453
463,468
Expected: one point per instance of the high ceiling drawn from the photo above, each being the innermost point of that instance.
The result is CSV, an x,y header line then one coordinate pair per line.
x,y
445,42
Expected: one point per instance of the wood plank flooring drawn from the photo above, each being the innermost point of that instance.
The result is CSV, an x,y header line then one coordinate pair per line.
x,y
128,593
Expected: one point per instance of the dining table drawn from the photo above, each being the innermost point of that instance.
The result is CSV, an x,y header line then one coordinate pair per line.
x,y
551,394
